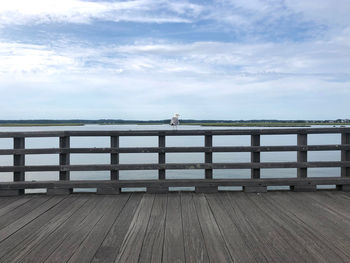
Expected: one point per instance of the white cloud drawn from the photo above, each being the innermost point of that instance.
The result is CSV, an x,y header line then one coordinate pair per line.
x,y
78,11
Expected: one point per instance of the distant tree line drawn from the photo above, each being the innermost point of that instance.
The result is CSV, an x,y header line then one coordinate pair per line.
x,y
166,121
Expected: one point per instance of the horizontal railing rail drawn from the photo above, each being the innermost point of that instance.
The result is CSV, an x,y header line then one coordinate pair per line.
x,y
207,184
174,132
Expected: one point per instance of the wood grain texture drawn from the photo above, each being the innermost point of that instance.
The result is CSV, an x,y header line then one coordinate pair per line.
x,y
173,250
177,227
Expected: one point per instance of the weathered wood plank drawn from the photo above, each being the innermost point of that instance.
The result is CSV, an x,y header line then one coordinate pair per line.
x,y
307,225
77,237
230,232
173,250
133,241
87,249
320,216
175,132
195,249
302,242
178,183
11,203
112,243
19,243
27,218
48,243
275,240
152,247
215,244
174,166
21,210
271,227
332,147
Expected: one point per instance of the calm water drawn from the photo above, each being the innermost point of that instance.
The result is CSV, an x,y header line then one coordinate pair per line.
x,y
52,159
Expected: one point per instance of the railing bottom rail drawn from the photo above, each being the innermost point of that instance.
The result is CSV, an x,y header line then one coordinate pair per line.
x,y
249,185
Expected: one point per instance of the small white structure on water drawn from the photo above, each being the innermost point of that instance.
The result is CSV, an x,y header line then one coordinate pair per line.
x,y
175,120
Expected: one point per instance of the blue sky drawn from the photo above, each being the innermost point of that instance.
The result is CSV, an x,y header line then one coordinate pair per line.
x,y
147,59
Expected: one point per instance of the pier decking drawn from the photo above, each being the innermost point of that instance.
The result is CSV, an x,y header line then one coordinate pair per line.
x,y
176,227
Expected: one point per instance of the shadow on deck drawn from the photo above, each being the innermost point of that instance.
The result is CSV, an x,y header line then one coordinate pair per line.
x,y
176,227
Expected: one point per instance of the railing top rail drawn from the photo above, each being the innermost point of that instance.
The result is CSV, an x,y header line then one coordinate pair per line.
x,y
175,132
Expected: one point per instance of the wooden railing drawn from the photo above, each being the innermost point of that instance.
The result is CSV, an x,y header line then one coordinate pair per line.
x,y
255,184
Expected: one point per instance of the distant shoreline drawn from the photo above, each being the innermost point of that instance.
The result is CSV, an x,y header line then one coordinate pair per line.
x,y
39,124
206,124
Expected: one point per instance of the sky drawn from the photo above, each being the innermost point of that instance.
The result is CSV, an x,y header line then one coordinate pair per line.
x,y
149,59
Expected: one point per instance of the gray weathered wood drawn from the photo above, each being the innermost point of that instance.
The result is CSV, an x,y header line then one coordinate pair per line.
x,y
152,247
64,175
132,244
173,166
173,249
255,156
81,232
177,183
215,244
223,227
18,244
332,147
18,160
19,168
109,249
87,249
194,244
176,133
345,156
161,157
233,236
47,244
302,155
115,157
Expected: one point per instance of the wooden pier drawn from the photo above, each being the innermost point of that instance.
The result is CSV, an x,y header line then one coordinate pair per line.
x,y
176,227
161,185
161,225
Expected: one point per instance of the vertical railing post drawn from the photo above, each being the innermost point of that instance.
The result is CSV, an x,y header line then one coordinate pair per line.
x,y
302,158
161,171
18,160
255,156
208,159
161,156
114,173
345,157
64,159
255,172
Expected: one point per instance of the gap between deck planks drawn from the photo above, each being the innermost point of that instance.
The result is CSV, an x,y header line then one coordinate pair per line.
x,y
176,227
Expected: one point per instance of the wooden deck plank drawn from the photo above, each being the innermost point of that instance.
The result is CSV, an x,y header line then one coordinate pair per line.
x,y
22,210
318,247
215,244
246,230
335,203
24,220
27,237
48,244
132,244
152,247
112,243
195,249
10,204
173,250
271,238
287,229
93,241
6,200
325,222
178,227
231,233
70,244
